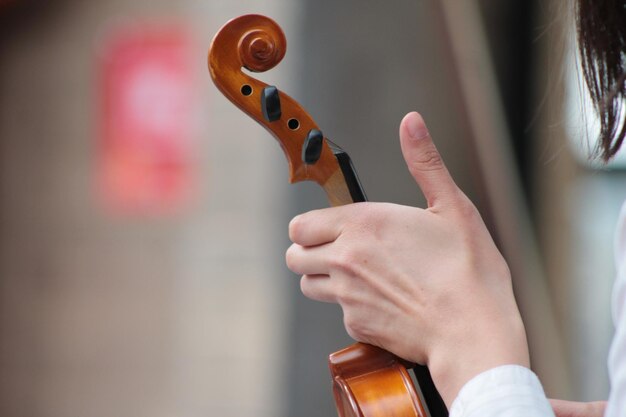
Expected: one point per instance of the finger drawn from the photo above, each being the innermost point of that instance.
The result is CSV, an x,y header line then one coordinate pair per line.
x,y
424,161
318,288
318,226
311,260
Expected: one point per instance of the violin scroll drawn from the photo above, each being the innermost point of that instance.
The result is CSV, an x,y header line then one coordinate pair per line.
x,y
258,44
261,50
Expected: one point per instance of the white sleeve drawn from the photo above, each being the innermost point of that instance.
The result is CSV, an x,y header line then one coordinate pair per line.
x,y
617,355
505,391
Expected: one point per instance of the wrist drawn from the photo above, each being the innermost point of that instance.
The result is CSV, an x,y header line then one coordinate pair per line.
x,y
454,364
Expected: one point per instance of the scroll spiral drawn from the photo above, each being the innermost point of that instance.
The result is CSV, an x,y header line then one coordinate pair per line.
x,y
252,41
261,50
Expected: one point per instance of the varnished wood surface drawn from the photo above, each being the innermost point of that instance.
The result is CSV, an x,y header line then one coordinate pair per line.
x,y
370,382
258,44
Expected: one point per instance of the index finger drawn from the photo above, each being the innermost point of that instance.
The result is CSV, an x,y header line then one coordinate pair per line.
x,y
321,226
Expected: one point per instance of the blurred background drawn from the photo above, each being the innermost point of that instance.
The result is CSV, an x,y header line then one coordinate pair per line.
x,y
143,218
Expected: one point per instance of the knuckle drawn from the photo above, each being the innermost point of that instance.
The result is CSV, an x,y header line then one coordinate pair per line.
x,y
371,221
427,160
363,213
366,220
345,260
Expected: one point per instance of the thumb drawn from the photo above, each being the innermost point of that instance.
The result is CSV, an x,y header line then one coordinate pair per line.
x,y
425,163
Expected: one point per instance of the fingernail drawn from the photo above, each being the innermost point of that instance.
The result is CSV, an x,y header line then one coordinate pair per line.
x,y
416,126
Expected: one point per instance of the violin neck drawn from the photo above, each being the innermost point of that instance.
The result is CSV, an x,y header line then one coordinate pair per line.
x,y
434,402
351,179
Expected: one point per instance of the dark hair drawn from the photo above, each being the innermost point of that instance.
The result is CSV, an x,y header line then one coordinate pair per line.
x,y
602,46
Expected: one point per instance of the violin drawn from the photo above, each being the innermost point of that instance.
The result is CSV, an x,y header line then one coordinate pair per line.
x,y
367,381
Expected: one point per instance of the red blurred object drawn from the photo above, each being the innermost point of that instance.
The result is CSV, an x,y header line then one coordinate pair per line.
x,y
145,152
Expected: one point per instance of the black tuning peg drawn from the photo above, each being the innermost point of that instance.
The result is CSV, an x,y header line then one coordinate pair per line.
x,y
270,103
312,147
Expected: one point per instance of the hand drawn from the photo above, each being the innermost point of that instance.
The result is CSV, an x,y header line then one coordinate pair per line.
x,y
575,409
428,285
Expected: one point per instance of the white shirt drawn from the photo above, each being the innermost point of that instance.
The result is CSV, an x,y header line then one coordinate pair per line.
x,y
515,391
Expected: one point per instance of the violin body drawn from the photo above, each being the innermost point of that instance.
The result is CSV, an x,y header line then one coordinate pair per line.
x,y
367,381
371,382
